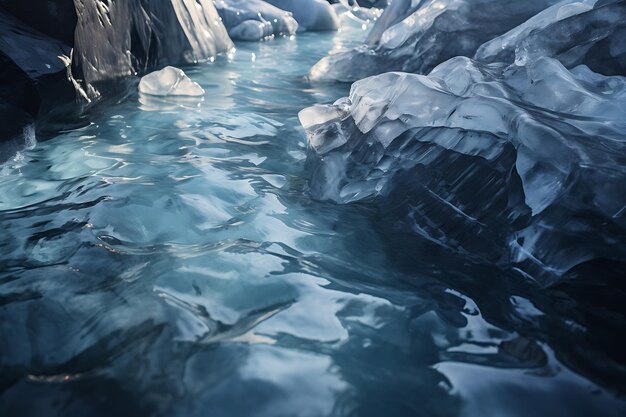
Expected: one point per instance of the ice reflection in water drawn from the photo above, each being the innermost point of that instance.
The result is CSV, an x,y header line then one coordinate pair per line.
x,y
166,260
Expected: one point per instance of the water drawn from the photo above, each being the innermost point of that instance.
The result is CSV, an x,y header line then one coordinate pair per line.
x,y
166,260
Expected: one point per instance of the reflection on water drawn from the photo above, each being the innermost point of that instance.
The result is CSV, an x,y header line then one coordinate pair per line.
x,y
166,260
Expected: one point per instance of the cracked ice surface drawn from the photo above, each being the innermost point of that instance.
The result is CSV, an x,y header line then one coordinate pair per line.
x,y
491,161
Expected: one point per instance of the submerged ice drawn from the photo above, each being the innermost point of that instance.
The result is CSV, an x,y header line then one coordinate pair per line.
x,y
476,153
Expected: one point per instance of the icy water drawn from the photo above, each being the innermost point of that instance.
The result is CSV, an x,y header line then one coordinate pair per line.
x,y
167,260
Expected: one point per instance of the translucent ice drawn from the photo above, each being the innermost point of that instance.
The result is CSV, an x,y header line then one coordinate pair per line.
x,y
251,20
169,81
396,12
312,15
486,160
119,39
435,31
590,32
361,17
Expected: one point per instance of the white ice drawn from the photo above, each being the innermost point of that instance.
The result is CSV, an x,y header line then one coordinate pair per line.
x,y
311,15
169,81
253,20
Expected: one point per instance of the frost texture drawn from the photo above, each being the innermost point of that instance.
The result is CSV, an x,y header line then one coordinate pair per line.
x,y
590,32
169,81
513,165
434,32
312,15
253,20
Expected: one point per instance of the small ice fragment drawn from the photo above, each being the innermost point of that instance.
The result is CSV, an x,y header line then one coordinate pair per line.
x,y
169,81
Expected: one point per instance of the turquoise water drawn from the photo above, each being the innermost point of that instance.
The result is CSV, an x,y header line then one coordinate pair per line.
x,y
166,259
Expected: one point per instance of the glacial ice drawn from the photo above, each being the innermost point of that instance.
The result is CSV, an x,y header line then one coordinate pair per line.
x,y
434,32
253,20
311,15
396,12
169,81
137,36
517,165
354,15
590,32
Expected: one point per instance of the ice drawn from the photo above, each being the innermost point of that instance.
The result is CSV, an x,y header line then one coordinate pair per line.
x,y
312,15
434,32
253,20
590,32
396,12
518,164
125,38
169,81
357,16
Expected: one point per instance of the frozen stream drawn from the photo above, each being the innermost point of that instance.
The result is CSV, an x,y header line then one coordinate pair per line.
x,y
167,260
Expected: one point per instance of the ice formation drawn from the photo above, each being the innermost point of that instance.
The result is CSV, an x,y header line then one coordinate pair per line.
x,y
357,16
515,165
590,32
396,12
253,20
312,15
434,31
137,36
169,81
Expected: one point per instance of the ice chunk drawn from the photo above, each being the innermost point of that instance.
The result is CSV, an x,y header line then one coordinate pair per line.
x,y
512,164
251,30
311,15
574,32
434,32
251,20
169,81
